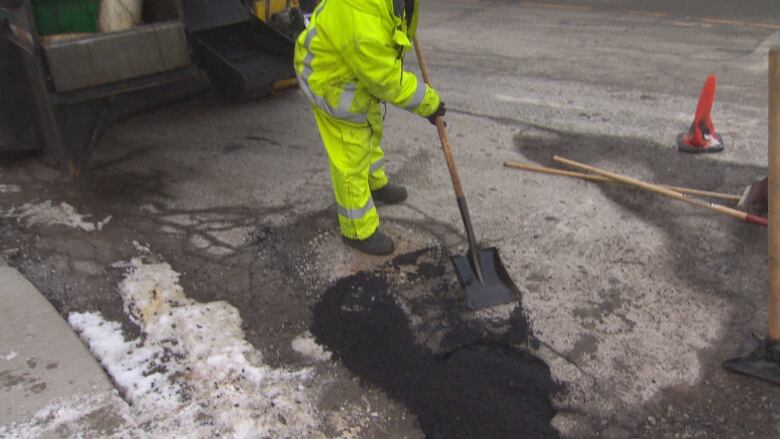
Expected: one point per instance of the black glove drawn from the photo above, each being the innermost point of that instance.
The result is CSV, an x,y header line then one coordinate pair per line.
x,y
438,113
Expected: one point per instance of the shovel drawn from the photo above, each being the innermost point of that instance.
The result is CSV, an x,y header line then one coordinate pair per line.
x,y
480,272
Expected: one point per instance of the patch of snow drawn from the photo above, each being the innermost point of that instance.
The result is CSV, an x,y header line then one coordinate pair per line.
x,y
8,188
496,313
199,241
139,248
233,236
48,214
305,345
181,219
131,364
119,264
9,356
218,250
171,230
192,373
149,208
100,224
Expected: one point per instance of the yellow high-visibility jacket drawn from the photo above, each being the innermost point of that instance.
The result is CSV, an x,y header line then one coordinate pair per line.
x,y
351,56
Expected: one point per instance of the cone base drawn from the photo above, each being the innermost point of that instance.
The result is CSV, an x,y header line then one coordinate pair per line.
x,y
683,145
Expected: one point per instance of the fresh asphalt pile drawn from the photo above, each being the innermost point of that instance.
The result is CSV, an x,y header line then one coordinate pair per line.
x,y
476,385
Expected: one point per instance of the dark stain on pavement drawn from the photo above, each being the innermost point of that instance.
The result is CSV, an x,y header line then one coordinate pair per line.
x,y
233,147
477,386
586,346
712,254
703,262
38,387
122,188
8,379
261,139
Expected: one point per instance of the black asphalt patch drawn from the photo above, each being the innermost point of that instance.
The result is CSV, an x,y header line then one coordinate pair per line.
x,y
479,386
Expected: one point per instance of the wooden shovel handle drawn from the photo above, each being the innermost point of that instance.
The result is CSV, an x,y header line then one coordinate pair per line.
x,y
445,142
774,195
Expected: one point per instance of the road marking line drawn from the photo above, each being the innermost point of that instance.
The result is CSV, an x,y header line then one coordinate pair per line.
x,y
724,21
558,6
685,23
650,14
741,23
763,25
538,102
704,22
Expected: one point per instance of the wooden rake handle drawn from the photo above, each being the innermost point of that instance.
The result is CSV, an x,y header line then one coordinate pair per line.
x,y
753,219
599,178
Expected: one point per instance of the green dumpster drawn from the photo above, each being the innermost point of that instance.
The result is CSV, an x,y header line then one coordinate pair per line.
x,y
65,16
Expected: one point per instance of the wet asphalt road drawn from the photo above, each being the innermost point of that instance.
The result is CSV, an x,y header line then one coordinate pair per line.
x,y
635,300
766,11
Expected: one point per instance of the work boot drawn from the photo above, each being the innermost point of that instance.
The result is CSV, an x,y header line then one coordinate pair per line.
x,y
390,194
377,244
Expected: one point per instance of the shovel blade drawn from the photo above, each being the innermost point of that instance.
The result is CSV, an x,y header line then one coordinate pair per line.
x,y
497,288
758,359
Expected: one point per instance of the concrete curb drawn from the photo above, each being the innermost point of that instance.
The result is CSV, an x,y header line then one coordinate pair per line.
x,y
44,365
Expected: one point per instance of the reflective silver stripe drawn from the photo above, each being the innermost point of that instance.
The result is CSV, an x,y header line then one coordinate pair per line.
x,y
345,101
303,78
310,36
376,166
419,96
354,214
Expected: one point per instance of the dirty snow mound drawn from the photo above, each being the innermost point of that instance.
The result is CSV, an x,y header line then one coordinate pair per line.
x,y
192,373
47,214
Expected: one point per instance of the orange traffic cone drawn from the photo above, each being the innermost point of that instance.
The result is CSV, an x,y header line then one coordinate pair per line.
x,y
701,137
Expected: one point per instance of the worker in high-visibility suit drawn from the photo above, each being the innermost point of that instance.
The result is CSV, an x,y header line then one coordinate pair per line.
x,y
348,60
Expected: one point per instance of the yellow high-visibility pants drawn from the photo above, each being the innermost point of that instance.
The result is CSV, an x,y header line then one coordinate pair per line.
x,y
356,169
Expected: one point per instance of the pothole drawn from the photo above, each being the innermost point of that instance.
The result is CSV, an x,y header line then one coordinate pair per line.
x,y
416,341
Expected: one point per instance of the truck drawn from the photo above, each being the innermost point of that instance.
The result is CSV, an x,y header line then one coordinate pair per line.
x,y
69,69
